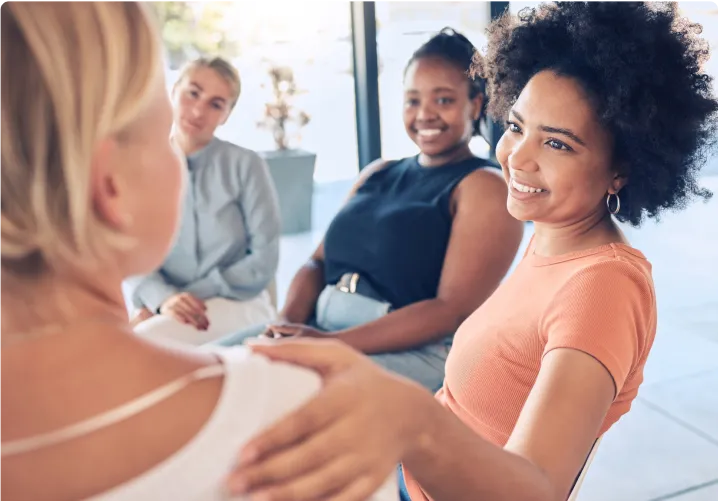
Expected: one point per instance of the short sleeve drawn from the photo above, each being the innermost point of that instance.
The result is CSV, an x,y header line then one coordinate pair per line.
x,y
606,310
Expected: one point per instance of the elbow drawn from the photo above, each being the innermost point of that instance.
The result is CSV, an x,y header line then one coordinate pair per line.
x,y
266,277
453,314
544,492
539,486
314,265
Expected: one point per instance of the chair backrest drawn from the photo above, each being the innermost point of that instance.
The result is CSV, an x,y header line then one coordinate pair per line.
x,y
577,486
272,290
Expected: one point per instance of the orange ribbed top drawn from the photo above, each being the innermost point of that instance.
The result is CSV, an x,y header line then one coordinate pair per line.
x,y
600,301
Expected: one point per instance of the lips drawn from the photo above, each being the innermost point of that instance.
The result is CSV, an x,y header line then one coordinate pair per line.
x,y
192,125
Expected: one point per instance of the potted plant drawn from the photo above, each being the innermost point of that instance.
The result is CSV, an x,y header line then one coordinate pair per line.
x,y
291,169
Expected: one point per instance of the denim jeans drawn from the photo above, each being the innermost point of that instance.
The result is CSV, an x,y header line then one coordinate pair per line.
x,y
337,311
403,493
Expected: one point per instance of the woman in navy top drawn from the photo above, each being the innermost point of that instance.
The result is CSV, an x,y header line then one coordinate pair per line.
x,y
421,242
226,249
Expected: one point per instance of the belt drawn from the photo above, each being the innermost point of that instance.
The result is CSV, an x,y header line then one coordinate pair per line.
x,y
352,283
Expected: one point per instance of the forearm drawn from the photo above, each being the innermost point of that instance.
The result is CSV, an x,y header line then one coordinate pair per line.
x,y
251,274
207,287
303,293
150,291
448,449
405,328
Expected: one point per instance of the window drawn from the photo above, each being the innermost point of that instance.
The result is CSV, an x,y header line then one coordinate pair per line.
x,y
402,27
313,39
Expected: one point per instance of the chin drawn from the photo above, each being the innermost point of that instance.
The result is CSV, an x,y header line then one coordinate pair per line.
x,y
517,212
190,134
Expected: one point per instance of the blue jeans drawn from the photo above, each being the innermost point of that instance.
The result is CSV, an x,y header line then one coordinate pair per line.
x,y
337,311
403,493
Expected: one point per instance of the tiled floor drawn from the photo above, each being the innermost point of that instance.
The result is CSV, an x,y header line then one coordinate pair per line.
x,y
667,446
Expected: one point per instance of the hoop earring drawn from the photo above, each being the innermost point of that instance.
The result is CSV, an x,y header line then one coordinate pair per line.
x,y
618,203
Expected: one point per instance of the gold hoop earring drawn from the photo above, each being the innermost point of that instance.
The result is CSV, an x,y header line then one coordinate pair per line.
x,y
618,203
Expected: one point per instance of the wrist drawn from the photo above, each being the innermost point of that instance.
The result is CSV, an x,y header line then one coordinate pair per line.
x,y
161,308
426,414
288,317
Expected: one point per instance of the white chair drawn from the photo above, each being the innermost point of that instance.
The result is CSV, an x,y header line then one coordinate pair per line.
x,y
577,486
272,290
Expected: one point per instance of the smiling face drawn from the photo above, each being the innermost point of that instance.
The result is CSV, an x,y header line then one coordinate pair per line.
x,y
438,113
555,155
202,102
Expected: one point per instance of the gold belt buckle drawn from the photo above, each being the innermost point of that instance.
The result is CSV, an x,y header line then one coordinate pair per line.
x,y
352,287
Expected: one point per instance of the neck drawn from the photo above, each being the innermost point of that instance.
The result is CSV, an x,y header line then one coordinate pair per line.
x,y
38,309
592,231
189,145
455,154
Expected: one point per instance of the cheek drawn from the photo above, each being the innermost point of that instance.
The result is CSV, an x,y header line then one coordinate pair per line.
x,y
214,117
180,106
573,183
175,175
163,173
409,114
458,116
503,150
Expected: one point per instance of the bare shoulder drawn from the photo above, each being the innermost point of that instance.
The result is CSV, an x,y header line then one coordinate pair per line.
x,y
484,180
371,169
483,187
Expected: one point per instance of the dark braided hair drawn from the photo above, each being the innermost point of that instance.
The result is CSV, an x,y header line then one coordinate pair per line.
x,y
453,47
641,65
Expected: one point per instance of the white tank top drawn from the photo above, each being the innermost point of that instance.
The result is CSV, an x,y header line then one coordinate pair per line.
x,y
255,393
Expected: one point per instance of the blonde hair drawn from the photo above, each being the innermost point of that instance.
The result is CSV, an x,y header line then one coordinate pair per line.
x,y
73,73
222,67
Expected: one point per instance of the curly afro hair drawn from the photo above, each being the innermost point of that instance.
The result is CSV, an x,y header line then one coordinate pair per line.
x,y
641,65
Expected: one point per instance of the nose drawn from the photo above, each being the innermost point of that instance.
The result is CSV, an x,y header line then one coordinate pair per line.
x,y
426,112
522,157
196,110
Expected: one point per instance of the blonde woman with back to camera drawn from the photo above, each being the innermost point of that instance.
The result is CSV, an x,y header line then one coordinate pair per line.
x,y
90,410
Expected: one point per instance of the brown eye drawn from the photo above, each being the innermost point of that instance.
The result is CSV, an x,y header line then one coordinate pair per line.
x,y
513,127
558,145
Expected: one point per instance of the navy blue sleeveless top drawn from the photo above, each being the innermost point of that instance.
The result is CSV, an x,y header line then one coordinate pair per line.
x,y
394,232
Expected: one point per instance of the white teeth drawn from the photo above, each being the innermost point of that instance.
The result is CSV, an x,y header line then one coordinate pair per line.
x,y
429,132
525,189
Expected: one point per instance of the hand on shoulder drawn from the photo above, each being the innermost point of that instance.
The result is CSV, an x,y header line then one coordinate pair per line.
x,y
318,450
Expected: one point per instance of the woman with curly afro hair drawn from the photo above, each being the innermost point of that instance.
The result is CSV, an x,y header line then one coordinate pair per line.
x,y
609,117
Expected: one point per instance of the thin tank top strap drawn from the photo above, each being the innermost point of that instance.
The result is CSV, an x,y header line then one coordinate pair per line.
x,y
112,416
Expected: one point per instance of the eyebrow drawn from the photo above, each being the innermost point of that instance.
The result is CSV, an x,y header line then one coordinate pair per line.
x,y
555,130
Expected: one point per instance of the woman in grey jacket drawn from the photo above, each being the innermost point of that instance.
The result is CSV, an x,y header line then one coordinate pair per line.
x,y
226,252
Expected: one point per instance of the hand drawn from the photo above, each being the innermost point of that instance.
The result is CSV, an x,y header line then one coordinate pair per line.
x,y
187,309
346,441
140,316
285,329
